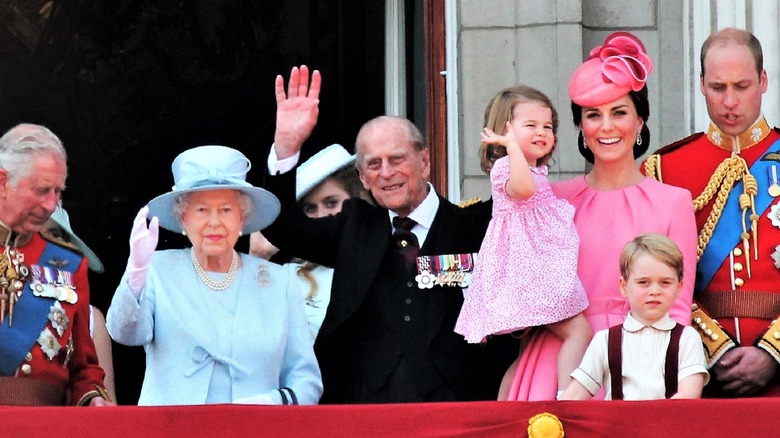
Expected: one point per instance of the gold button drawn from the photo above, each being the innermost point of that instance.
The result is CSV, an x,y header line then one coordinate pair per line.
x,y
28,358
737,252
777,335
714,336
26,368
738,267
702,326
708,332
697,320
739,282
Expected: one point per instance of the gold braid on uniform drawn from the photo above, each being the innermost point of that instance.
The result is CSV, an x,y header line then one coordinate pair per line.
x,y
469,202
653,167
727,174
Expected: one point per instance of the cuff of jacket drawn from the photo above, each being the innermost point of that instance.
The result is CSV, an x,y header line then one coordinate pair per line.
x,y
97,392
770,341
714,338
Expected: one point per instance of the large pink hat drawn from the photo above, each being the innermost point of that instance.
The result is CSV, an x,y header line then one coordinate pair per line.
x,y
611,71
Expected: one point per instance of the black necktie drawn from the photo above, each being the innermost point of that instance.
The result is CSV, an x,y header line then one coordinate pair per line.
x,y
405,241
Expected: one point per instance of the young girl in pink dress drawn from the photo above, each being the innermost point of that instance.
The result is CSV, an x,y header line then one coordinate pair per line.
x,y
527,270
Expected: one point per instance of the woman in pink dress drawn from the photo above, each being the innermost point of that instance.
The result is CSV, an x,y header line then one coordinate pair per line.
x,y
527,270
614,202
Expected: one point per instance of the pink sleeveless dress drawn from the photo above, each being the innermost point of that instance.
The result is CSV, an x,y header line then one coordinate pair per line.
x,y
526,272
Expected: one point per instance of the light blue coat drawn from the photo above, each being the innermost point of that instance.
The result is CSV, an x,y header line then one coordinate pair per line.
x,y
267,346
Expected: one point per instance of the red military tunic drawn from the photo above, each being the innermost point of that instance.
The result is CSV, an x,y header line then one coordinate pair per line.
x,y
745,306
73,365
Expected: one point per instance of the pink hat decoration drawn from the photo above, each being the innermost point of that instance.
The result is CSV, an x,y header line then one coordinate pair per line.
x,y
612,70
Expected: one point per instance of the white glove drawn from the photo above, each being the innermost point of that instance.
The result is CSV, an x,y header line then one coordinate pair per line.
x,y
259,399
143,242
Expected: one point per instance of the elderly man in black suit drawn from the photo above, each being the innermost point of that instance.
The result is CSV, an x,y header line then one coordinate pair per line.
x,y
386,336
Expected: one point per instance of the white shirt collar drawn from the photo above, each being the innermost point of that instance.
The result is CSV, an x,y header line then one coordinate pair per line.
x,y
663,324
426,211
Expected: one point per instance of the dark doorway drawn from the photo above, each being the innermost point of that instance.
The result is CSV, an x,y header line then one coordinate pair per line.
x,y
128,84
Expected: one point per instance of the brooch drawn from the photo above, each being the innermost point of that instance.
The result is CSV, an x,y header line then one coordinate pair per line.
x,y
263,276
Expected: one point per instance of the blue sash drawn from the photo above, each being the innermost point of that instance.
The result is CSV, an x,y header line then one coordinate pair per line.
x,y
724,239
31,314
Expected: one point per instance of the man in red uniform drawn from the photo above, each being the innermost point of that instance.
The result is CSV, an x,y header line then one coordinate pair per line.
x,y
733,172
46,353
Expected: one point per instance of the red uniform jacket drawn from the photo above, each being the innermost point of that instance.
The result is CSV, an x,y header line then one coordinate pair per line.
x,y
749,319
74,365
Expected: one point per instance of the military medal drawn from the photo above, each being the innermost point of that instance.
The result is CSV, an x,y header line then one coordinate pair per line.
x,y
49,344
68,351
59,319
774,215
50,283
776,256
445,270
774,186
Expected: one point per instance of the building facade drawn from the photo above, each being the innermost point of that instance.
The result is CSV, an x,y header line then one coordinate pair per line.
x,y
498,43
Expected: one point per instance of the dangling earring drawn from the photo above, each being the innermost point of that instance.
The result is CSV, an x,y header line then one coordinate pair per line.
x,y
183,233
585,145
639,138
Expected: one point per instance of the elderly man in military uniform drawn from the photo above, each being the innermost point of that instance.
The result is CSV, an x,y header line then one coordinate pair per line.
x,y
46,353
733,171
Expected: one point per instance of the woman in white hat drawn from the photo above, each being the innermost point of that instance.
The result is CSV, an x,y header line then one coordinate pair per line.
x,y
323,183
217,326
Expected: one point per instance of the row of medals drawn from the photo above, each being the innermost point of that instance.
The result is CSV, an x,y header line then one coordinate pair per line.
x,y
13,274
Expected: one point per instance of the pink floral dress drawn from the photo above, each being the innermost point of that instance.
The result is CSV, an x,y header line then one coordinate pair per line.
x,y
526,272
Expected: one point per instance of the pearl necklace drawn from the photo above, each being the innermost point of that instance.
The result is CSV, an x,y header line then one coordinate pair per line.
x,y
216,285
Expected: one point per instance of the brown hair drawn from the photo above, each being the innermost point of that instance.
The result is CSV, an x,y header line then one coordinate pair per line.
x,y
659,246
739,37
499,111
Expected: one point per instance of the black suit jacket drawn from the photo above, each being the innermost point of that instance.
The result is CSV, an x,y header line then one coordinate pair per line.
x,y
355,243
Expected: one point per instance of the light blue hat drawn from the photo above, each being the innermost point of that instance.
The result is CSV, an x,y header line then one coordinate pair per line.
x,y
214,168
319,167
60,217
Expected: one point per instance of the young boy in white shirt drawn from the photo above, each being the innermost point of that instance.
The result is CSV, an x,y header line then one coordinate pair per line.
x,y
651,268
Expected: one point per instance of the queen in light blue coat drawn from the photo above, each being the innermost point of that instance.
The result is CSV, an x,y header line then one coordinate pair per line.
x,y
217,326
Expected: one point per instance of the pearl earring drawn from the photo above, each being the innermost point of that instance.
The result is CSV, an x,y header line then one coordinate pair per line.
x,y
639,138
183,233
240,233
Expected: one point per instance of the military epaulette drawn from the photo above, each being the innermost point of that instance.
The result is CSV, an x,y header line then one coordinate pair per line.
x,y
51,237
678,144
469,202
